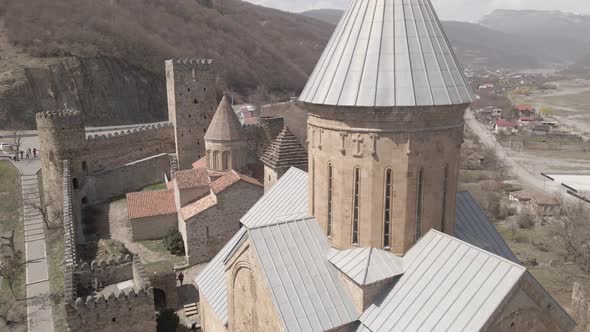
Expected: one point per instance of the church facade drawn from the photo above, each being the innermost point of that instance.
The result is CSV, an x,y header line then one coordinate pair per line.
x,y
375,237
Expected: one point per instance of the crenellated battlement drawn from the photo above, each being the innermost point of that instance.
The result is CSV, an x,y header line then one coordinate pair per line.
x,y
55,120
152,128
101,302
101,264
191,62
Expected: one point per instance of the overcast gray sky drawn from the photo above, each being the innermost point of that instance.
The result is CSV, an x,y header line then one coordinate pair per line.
x,y
460,10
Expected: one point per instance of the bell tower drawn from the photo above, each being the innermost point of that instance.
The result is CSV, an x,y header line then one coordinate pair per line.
x,y
386,104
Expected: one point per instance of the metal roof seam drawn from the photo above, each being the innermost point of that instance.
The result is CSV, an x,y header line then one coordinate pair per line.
x,y
421,49
412,81
428,283
341,56
491,291
315,244
462,290
360,81
379,57
456,280
366,271
416,282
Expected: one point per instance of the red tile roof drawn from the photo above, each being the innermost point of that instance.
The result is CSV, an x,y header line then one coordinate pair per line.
x,y
231,178
201,163
504,123
199,206
524,108
150,203
191,178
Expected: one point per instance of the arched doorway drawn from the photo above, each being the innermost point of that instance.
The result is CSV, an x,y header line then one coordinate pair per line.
x,y
159,299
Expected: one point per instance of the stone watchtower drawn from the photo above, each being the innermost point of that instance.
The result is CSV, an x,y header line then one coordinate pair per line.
x,y
62,137
386,104
225,140
284,152
192,98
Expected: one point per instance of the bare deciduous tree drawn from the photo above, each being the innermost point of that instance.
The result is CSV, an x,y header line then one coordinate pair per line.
x,y
16,139
7,240
573,229
11,269
51,217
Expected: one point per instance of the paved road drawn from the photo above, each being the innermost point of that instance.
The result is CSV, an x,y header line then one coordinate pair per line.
x,y
526,178
39,317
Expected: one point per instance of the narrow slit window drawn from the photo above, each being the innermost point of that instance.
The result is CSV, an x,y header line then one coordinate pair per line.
x,y
355,211
330,189
387,209
419,202
444,200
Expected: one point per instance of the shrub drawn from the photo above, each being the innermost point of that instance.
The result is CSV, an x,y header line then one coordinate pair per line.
x,y
525,221
167,321
174,243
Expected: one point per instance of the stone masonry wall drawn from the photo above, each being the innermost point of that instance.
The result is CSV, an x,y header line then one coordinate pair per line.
x,y
131,311
210,230
134,176
104,273
108,151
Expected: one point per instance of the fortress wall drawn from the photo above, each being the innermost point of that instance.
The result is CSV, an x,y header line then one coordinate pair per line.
x,y
112,150
70,256
113,271
127,178
130,311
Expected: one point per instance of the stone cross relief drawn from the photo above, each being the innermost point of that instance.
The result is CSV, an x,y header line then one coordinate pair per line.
x,y
358,140
374,138
343,137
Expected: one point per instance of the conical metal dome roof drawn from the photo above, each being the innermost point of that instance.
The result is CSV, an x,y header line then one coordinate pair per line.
x,y
225,125
388,53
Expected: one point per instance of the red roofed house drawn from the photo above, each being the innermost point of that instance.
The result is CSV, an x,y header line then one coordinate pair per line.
x,y
506,127
525,110
204,204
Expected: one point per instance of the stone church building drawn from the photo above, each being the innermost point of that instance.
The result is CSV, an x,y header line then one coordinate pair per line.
x,y
375,237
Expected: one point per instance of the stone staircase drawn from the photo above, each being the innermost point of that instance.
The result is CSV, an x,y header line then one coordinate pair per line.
x,y
191,310
34,226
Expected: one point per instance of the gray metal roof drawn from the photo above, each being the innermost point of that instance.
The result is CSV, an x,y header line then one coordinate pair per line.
x,y
287,200
305,286
388,53
449,285
211,281
473,226
367,265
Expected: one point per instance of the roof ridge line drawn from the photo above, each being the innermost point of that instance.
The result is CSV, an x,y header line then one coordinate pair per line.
x,y
368,264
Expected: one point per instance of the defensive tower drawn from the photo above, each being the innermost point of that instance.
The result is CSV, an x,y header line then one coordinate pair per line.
x,y
386,103
191,104
61,137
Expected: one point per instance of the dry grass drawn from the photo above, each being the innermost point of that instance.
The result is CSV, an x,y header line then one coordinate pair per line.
x,y
11,307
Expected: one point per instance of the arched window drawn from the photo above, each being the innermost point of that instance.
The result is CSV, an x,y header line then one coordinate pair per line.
x,y
209,163
75,183
225,160
387,211
444,200
355,206
330,194
313,185
215,160
419,202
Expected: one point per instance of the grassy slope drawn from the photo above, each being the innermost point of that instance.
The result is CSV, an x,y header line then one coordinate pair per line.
x,y
9,220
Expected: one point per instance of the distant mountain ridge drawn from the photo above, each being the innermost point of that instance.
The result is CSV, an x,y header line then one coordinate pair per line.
x,y
518,39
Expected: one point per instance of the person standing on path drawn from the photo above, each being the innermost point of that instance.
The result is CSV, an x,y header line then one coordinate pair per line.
x,y
181,278
35,153
22,154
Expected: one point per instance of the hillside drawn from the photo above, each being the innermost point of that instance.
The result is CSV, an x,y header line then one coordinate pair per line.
x,y
331,16
253,46
557,36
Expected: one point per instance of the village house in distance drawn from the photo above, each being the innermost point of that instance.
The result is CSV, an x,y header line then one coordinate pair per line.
x,y
361,228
